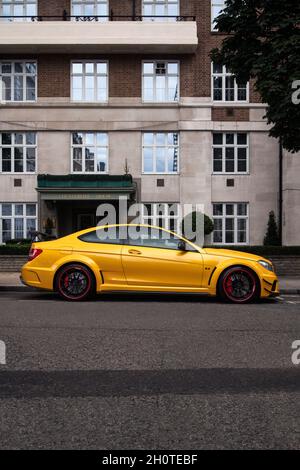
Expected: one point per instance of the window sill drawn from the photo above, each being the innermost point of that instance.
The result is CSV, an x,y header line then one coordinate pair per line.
x,y
160,174
89,102
159,103
229,103
89,173
25,173
230,244
5,103
231,174
218,33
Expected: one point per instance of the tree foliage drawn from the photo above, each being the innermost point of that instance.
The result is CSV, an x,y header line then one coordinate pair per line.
x,y
194,219
263,43
272,236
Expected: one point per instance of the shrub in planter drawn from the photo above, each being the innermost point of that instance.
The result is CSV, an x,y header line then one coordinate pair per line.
x,y
19,241
14,249
272,236
192,219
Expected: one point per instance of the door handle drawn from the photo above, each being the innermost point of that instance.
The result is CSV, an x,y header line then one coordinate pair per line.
x,y
134,252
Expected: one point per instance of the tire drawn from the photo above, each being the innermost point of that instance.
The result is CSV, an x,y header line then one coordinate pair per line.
x,y
239,284
75,282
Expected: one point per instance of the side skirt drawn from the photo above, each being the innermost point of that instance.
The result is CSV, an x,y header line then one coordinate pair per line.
x,y
147,290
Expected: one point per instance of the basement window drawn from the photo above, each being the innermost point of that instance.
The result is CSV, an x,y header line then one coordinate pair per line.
x,y
17,220
231,223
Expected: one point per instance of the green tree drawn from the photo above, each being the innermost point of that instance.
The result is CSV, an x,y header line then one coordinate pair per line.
x,y
263,43
197,218
272,236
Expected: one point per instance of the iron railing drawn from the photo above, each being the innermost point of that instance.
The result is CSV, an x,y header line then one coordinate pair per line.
x,y
111,17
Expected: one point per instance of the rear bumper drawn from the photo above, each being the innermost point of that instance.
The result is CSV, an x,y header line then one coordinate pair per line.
x,y
36,277
31,284
23,282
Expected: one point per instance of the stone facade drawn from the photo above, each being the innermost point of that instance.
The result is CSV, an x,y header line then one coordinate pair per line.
x,y
125,117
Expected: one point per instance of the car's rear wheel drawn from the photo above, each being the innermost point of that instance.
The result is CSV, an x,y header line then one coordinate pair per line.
x,y
239,285
75,282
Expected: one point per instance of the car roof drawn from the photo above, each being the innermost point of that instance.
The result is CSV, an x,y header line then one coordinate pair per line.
x,y
99,227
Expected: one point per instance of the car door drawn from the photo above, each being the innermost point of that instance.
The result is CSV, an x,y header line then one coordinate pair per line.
x,y
152,260
104,246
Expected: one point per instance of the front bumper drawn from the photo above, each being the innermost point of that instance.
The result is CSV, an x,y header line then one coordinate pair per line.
x,y
270,285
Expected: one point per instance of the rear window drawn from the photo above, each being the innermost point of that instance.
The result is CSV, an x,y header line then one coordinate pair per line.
x,y
107,236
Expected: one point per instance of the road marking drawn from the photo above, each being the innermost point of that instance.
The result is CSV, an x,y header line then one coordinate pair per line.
x,y
289,299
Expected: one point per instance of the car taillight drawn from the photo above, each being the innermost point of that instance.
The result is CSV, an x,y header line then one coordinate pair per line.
x,y
34,253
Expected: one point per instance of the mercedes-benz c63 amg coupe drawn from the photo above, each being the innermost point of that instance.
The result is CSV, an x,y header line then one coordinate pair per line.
x,y
152,259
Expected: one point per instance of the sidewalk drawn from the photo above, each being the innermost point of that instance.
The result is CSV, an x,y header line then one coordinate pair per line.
x,y
11,282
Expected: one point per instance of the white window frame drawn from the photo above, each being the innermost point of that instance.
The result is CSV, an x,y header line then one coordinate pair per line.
x,y
12,4
24,75
154,75
13,216
83,146
216,3
236,217
236,146
82,3
165,4
24,146
224,75
154,148
155,216
95,75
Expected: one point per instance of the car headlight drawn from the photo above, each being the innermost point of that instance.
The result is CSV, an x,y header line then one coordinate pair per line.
x,y
266,265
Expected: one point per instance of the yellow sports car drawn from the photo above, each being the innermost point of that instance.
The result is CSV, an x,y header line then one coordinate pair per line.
x,y
145,258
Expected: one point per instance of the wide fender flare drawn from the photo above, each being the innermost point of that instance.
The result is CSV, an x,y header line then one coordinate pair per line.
x,y
79,259
223,265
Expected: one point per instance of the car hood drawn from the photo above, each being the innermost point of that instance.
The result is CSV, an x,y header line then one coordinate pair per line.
x,y
233,254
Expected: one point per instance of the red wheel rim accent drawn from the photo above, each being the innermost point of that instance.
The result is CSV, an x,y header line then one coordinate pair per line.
x,y
239,285
74,283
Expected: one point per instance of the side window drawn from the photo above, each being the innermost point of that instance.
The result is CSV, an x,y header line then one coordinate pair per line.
x,y
102,235
152,238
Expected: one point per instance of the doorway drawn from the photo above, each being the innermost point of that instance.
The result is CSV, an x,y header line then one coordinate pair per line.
x,y
85,221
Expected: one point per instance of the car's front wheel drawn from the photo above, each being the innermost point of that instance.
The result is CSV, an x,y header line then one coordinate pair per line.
x,y
75,282
239,285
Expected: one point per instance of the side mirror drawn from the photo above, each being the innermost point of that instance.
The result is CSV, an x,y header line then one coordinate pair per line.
x,y
181,246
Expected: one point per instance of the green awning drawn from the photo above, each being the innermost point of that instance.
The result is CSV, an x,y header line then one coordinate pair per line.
x,y
85,182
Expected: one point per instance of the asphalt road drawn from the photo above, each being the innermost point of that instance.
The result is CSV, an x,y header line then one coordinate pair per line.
x,y
148,372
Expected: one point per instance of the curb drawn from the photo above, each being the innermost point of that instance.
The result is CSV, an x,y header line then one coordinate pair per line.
x,y
289,291
32,289
17,289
